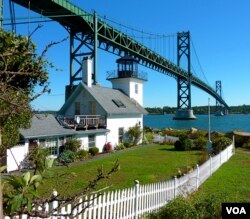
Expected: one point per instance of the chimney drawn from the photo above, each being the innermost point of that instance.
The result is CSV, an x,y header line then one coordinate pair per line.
x,y
87,71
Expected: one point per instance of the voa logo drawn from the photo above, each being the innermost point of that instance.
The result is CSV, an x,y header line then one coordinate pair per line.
x,y
236,210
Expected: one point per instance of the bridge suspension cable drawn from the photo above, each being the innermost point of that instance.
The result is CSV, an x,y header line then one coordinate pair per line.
x,y
199,63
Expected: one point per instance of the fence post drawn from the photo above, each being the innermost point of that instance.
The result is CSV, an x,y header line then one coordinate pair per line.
x,y
210,159
54,204
233,150
227,153
136,186
220,158
197,176
175,186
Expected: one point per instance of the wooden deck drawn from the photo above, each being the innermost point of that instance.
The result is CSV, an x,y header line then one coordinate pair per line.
x,y
83,122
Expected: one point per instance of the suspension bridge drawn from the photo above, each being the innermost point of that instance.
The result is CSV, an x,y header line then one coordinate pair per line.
x,y
88,33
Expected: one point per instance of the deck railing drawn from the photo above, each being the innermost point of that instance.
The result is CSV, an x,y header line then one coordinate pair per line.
x,y
83,121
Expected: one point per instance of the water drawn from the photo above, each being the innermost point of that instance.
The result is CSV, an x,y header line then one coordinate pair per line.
x,y
218,123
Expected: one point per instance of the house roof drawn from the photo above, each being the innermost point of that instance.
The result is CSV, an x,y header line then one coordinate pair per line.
x,y
47,126
113,101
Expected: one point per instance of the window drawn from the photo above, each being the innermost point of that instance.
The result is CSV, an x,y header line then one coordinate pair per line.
x,y
91,141
49,144
77,108
118,103
92,107
120,135
136,88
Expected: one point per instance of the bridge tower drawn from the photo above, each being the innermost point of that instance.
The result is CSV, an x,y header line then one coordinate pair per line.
x,y
220,111
184,110
83,46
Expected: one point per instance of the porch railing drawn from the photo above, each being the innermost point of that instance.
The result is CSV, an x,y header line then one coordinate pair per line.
x,y
83,121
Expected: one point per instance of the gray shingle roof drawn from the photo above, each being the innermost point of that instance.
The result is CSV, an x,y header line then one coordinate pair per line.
x,y
106,96
47,126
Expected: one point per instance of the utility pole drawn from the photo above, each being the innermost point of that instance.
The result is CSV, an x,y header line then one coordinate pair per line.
x,y
209,142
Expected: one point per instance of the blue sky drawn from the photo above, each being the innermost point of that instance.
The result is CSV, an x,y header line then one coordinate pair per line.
x,y
220,33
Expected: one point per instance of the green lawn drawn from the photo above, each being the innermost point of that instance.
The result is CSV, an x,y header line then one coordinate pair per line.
x,y
148,163
232,180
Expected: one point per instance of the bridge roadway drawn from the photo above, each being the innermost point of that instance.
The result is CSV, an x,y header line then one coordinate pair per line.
x,y
111,39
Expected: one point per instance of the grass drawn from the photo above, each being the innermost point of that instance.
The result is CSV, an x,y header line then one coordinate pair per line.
x,y
232,180
148,164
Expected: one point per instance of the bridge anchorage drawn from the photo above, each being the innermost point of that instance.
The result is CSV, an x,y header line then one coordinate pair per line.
x,y
88,33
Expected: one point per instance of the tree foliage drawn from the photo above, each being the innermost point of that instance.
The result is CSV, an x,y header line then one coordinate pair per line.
x,y
23,78
22,72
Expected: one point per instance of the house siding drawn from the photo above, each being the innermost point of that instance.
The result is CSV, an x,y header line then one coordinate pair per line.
x,y
85,99
127,85
16,155
100,141
121,121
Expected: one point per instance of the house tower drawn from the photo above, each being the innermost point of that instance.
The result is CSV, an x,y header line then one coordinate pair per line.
x,y
128,79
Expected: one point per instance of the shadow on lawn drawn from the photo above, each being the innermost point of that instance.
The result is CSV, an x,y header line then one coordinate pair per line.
x,y
167,149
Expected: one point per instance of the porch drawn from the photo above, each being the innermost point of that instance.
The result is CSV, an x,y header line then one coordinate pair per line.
x,y
86,122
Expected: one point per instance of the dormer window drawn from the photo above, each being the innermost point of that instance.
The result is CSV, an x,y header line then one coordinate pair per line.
x,y
119,103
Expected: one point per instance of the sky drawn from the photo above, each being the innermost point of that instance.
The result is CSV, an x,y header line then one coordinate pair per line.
x,y
220,35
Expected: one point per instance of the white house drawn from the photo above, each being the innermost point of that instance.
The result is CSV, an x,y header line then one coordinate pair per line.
x,y
93,114
116,109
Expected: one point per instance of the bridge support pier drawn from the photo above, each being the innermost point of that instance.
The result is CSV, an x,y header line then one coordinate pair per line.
x,y
184,114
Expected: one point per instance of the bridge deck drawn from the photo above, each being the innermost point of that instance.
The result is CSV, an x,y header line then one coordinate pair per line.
x,y
78,20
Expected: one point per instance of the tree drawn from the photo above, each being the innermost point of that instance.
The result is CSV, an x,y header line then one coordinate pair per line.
x,y
21,71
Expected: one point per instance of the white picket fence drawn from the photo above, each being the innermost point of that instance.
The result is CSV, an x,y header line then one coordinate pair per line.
x,y
141,199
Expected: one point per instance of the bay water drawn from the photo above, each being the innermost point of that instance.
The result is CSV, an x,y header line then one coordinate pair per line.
x,y
225,123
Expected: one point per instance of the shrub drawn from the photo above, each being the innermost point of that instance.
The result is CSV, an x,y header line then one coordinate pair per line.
x,y
183,136
246,145
178,146
73,145
126,144
178,208
120,147
207,206
197,134
134,134
215,135
149,136
81,154
94,151
184,144
37,157
203,157
220,144
66,157
187,144
200,143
